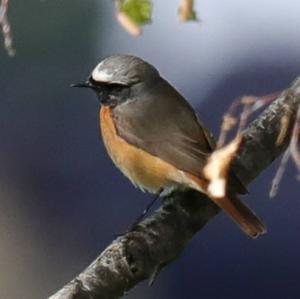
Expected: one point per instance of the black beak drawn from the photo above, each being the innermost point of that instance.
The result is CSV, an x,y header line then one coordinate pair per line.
x,y
86,84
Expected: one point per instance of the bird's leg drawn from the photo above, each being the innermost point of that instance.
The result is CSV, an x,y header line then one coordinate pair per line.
x,y
145,212
147,208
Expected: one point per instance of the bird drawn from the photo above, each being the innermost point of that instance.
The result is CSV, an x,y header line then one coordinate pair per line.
x,y
155,138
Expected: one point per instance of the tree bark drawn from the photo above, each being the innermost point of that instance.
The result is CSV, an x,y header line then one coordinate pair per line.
x,y
159,239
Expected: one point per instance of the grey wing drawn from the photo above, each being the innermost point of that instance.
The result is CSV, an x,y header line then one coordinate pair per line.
x,y
164,124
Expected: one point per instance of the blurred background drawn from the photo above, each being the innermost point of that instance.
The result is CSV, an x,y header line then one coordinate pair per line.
x,y
61,199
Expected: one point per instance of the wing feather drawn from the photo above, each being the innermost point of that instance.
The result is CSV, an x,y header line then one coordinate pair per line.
x,y
164,124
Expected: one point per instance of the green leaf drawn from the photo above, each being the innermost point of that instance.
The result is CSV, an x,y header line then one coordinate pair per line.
x,y
140,11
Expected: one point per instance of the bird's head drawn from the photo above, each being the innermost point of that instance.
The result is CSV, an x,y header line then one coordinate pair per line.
x,y
114,77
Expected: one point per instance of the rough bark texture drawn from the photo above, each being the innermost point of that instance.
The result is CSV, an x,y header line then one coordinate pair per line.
x,y
158,240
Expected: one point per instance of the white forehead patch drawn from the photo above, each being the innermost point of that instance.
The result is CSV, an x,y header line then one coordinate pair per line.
x,y
101,76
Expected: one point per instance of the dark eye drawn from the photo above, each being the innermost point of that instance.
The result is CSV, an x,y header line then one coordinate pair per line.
x,y
116,87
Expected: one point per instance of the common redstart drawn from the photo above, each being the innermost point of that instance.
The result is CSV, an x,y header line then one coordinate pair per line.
x,y
154,136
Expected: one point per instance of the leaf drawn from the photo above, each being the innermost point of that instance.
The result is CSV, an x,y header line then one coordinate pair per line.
x,y
140,11
186,11
217,167
128,24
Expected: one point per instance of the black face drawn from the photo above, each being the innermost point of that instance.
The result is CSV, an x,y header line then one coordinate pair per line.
x,y
109,94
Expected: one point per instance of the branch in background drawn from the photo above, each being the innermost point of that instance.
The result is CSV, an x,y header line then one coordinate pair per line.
x,y
131,15
251,104
295,140
5,27
159,239
292,150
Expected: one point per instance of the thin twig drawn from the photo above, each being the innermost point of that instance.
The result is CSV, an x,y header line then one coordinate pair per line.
x,y
279,173
295,141
247,111
250,105
292,150
5,27
284,123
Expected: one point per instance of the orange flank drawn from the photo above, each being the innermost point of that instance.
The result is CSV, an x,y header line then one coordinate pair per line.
x,y
144,170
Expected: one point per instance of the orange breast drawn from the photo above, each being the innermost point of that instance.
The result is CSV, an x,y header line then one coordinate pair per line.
x,y
144,170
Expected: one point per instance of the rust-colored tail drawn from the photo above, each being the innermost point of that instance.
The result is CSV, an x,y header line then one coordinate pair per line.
x,y
241,214
232,205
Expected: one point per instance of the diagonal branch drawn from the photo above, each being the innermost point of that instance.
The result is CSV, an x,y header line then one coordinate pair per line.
x,y
158,240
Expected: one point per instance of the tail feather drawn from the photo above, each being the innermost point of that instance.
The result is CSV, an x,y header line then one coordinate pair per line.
x,y
230,203
241,214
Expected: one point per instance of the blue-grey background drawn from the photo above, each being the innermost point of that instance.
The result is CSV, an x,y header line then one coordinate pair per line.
x,y
61,199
